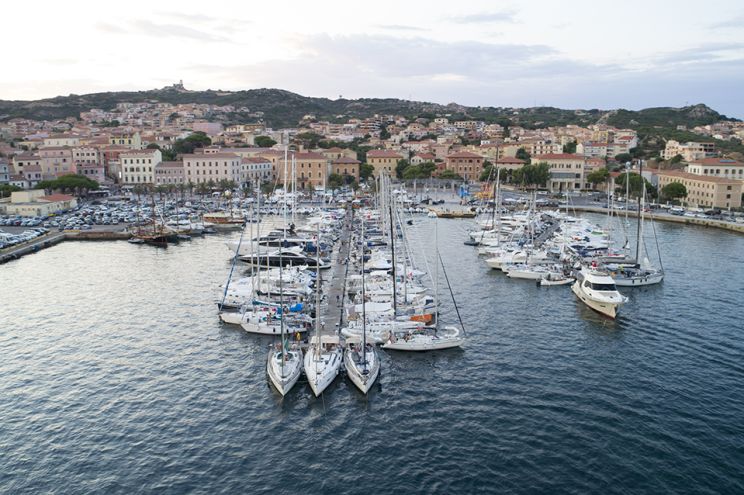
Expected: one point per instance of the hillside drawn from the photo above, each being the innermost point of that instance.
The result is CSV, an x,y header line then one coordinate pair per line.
x,y
283,109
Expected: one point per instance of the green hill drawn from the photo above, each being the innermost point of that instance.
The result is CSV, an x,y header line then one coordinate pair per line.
x,y
284,109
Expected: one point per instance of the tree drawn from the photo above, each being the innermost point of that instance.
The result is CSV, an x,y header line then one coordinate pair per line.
x,y
401,167
598,176
267,187
335,181
623,157
366,171
264,142
634,185
422,171
536,175
523,155
384,134
674,191
449,174
153,146
570,147
7,189
69,183
190,143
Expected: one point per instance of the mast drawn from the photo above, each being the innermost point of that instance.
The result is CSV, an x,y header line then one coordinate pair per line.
x,y
281,306
392,250
638,224
436,273
258,240
317,300
364,308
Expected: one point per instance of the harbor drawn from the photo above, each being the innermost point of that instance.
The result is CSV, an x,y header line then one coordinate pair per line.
x,y
139,334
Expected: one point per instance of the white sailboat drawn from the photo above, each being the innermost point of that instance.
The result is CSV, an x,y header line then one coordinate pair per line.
x,y
360,357
323,358
284,364
427,338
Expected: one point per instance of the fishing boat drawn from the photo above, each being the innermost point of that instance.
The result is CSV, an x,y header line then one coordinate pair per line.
x,y
598,291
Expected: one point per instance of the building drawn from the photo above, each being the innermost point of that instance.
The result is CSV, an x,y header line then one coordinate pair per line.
x,y
56,160
420,158
510,163
24,159
466,164
689,152
4,172
348,167
255,171
62,140
35,203
705,191
311,170
86,155
138,167
93,171
169,173
336,153
200,168
383,161
566,171
717,167
131,140
32,175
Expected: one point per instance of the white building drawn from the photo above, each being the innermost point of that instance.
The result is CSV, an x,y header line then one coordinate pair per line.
x,y
138,167
717,167
213,166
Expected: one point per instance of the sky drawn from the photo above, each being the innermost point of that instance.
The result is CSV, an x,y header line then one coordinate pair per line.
x,y
570,54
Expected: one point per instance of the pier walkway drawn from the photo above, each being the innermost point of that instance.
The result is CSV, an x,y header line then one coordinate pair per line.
x,y
334,280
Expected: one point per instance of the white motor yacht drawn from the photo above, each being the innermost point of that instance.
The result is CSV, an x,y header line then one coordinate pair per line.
x,y
598,291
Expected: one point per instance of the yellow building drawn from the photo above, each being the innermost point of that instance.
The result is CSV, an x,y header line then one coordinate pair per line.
x,y
705,191
383,161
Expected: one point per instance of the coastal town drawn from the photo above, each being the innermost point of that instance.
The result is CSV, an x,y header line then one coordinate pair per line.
x,y
197,147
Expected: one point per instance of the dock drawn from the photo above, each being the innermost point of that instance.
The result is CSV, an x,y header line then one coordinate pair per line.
x,y
52,238
335,292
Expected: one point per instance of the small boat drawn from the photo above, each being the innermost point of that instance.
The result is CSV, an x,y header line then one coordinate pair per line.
x,y
555,280
425,339
455,214
135,240
598,291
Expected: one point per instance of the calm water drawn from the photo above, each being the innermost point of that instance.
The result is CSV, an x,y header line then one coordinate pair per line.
x,y
116,377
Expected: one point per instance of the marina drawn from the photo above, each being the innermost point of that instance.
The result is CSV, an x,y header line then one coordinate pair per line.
x,y
140,341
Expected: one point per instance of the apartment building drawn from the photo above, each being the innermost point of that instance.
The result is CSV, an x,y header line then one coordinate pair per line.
x,y
20,162
465,164
62,140
169,172
383,161
705,191
346,166
690,151
255,171
56,160
131,140
138,167
202,167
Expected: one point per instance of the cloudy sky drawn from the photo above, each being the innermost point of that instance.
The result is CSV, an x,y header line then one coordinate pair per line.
x,y
571,54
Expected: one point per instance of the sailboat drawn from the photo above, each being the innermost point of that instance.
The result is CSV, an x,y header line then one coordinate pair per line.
x,y
360,357
428,338
323,358
640,273
284,363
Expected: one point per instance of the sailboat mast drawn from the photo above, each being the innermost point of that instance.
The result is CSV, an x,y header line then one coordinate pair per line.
x,y
392,250
364,307
436,272
638,225
317,298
